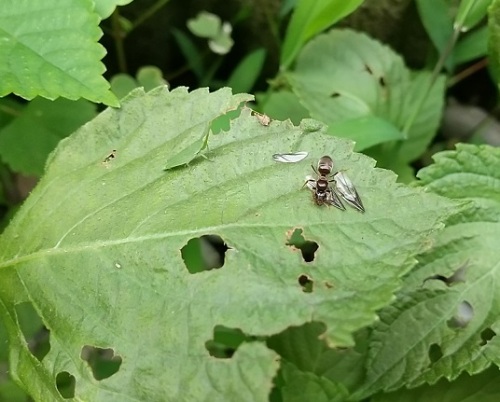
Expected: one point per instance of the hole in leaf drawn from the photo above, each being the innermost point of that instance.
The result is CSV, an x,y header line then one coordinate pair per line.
x,y
464,314
204,253
435,353
225,342
306,282
103,362
457,277
334,95
223,122
65,383
486,335
37,337
110,156
307,247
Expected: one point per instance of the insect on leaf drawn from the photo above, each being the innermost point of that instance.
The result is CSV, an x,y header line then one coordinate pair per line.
x,y
98,249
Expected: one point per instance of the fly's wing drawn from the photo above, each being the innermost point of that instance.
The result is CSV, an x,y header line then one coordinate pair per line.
x,y
333,199
348,192
292,157
310,183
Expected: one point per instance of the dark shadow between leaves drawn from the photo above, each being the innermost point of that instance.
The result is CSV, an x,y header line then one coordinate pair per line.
x,y
65,384
35,334
306,247
204,253
103,362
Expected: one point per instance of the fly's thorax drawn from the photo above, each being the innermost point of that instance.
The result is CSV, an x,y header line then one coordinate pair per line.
x,y
322,185
325,165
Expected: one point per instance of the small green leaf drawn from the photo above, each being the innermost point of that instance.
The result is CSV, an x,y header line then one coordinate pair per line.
x,y
190,52
365,131
309,19
437,18
245,74
470,12
286,7
282,105
27,141
205,25
53,51
494,38
106,7
471,46
222,42
150,77
122,84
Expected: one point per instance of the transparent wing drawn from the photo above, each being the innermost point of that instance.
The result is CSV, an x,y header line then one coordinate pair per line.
x,y
292,157
347,190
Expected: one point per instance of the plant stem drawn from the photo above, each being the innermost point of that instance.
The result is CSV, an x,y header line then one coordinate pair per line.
x,y
148,13
10,110
435,74
467,72
119,36
457,28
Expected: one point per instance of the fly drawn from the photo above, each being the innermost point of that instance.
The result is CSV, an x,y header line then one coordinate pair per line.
x,y
324,193
320,187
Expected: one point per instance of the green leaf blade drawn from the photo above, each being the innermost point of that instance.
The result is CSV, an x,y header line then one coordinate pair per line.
x,y
344,75
494,38
401,347
245,75
28,140
53,51
309,20
104,237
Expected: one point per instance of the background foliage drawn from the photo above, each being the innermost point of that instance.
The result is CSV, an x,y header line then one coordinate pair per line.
x,y
164,254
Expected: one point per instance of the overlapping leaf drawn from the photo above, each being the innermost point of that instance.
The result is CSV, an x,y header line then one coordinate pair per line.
x,y
106,7
97,250
417,339
27,141
52,50
344,76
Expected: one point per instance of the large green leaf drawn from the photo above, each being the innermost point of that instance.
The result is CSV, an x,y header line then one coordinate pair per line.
x,y
484,387
345,75
27,141
309,19
52,50
417,340
96,249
